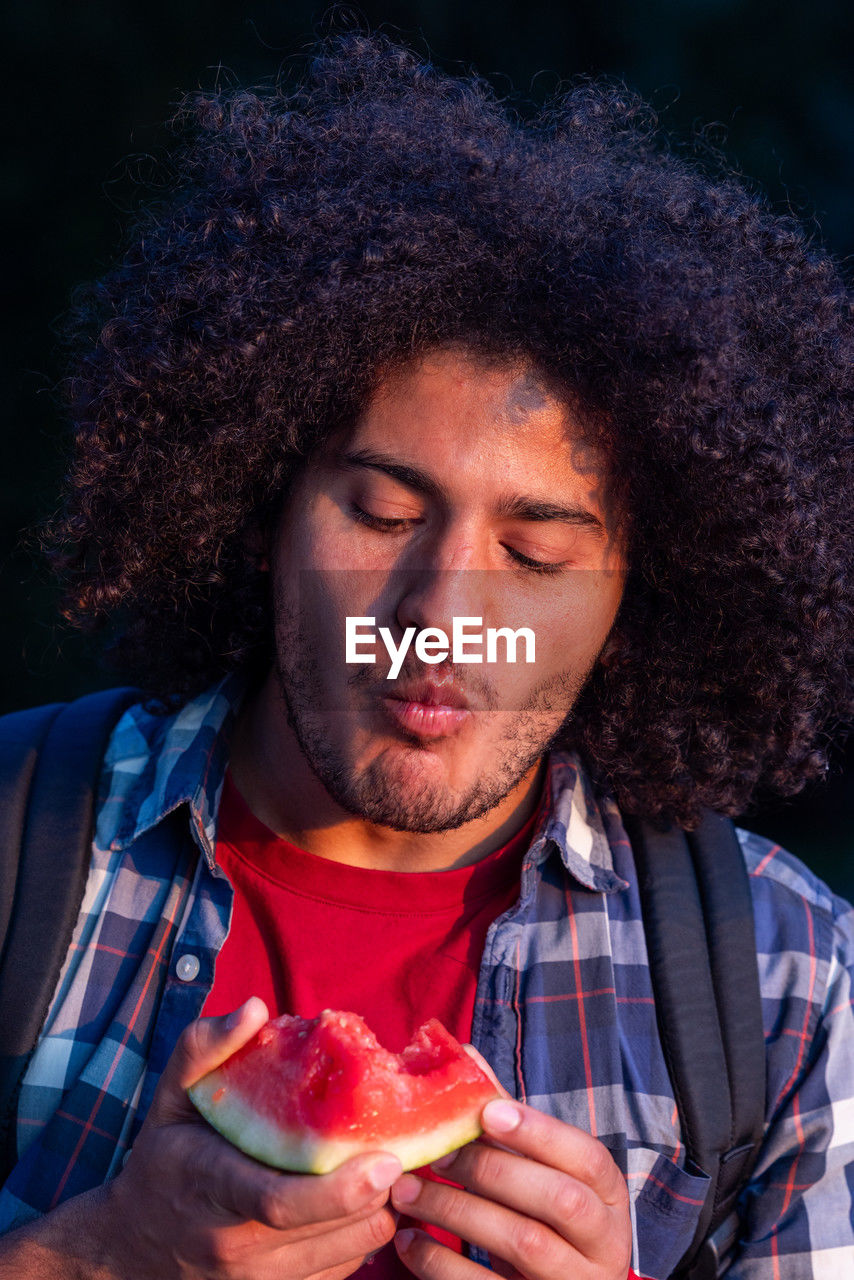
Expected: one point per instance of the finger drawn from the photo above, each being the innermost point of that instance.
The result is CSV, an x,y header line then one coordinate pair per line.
x,y
201,1047
429,1260
338,1246
555,1143
530,1246
379,1204
535,1190
238,1185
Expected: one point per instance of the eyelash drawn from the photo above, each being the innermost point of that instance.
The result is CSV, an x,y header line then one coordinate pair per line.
x,y
387,524
376,522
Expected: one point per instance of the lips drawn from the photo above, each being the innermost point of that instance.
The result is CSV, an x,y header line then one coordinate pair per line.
x,y
430,693
427,709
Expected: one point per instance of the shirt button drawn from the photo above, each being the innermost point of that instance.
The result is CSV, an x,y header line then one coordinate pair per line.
x,y
187,968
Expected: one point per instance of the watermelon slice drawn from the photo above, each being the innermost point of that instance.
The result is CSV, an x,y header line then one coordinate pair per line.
x,y
307,1095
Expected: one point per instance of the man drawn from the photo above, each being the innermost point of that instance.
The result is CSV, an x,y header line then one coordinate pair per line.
x,y
391,362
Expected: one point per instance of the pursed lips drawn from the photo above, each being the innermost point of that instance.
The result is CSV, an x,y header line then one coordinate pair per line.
x,y
427,708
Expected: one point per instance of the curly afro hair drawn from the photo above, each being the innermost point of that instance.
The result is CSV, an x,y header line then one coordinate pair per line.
x,y
313,239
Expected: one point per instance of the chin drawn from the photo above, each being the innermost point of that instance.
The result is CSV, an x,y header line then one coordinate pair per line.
x,y
408,789
407,764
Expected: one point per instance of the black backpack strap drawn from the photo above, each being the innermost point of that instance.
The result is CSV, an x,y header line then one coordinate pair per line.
x,y
698,917
51,758
21,736
728,907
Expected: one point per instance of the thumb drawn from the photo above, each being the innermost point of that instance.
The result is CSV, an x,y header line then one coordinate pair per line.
x,y
202,1046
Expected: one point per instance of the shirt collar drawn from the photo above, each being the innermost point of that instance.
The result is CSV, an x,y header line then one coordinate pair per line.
x,y
571,820
156,763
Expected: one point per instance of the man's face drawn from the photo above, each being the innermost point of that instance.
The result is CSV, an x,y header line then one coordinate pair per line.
x,y
462,491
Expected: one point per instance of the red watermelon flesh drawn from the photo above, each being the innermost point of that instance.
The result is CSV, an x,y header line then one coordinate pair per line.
x,y
307,1095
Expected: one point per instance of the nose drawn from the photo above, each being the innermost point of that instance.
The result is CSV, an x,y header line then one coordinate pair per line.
x,y
448,582
434,597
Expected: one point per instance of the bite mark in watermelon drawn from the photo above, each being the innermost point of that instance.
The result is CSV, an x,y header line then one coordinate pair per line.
x,y
307,1095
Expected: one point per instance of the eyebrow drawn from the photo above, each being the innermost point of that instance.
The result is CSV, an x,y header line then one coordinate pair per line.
x,y
510,507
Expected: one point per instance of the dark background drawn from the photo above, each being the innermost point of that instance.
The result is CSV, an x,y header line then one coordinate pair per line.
x,y
90,84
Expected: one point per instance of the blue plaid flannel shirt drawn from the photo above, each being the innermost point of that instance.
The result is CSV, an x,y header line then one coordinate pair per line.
x,y
564,1007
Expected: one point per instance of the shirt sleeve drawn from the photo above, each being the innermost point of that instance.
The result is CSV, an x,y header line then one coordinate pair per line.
x,y
797,1215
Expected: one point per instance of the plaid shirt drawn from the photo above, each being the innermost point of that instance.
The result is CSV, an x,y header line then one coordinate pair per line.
x,y
564,1007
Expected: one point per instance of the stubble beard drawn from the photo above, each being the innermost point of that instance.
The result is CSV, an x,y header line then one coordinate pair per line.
x,y
389,791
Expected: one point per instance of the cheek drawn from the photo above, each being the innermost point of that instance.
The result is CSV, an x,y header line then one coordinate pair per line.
x,y
306,535
572,628
309,564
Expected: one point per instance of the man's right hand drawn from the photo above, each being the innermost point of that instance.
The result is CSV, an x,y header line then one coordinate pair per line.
x,y
191,1206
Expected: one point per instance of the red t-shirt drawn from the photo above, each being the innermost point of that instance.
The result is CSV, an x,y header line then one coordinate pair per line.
x,y
395,947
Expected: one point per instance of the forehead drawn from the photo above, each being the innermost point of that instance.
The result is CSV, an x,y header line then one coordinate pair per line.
x,y
455,401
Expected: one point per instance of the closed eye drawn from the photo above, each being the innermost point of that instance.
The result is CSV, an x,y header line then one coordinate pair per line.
x,y
378,522
538,566
391,523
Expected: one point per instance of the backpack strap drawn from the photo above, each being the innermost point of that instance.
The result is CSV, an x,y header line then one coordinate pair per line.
x,y
51,761
698,916
21,736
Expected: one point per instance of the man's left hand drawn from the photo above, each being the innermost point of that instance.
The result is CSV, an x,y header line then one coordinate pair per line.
x,y
547,1204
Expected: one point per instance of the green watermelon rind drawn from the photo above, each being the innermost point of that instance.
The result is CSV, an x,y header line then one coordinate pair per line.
x,y
235,1119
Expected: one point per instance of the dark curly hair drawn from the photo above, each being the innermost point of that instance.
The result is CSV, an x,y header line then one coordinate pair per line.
x,y
313,239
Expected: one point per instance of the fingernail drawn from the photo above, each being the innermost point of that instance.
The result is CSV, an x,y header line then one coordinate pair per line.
x,y
404,1239
407,1189
444,1161
384,1172
501,1117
